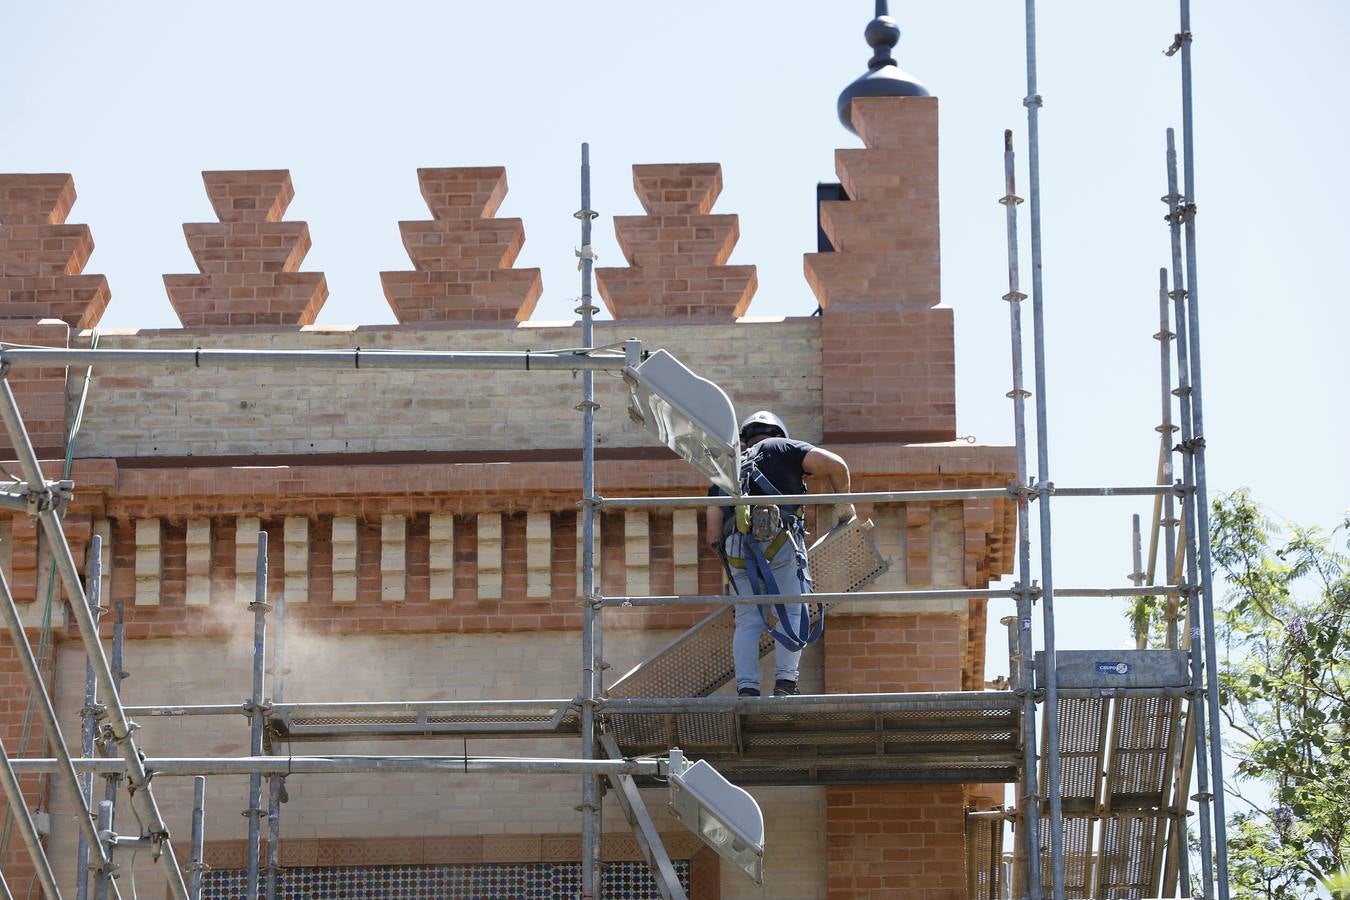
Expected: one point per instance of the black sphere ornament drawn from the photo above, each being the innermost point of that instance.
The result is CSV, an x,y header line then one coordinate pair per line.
x,y
884,77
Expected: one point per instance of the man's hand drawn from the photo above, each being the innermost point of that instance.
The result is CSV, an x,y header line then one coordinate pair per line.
x,y
844,512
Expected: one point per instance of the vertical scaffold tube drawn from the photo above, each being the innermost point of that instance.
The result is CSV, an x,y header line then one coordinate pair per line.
x,y
590,615
1194,633
1198,439
275,782
198,837
1029,801
104,881
259,608
1052,772
1166,469
88,717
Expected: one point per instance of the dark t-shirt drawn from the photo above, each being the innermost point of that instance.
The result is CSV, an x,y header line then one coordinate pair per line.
x,y
780,461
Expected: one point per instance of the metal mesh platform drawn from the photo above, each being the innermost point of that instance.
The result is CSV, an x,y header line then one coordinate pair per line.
x,y
1117,786
955,737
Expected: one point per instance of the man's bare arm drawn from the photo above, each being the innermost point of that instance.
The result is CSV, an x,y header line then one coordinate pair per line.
x,y
831,468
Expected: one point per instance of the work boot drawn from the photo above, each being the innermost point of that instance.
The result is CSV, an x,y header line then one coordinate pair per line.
x,y
784,688
747,692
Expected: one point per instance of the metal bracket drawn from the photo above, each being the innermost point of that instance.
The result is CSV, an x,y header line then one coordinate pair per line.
x,y
1010,200
1178,41
1034,100
585,214
1181,214
584,255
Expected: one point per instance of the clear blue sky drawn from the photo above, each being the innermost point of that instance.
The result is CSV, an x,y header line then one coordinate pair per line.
x,y
136,99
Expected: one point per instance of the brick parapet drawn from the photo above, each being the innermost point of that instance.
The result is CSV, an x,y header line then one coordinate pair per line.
x,y
42,258
463,257
677,253
249,261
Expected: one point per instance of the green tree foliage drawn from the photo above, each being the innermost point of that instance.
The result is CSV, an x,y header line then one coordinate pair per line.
x,y
1285,690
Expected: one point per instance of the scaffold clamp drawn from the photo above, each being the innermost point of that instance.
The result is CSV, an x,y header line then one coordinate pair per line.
x,y
1179,40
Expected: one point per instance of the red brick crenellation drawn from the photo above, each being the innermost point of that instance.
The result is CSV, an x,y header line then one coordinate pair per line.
x,y
462,258
42,258
249,261
677,253
888,355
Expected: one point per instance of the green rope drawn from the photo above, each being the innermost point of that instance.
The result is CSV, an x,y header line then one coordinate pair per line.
x,y
46,659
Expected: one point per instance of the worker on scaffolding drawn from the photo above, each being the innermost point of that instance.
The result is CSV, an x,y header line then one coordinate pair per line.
x,y
763,546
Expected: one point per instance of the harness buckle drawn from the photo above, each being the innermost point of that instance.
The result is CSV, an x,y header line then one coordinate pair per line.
x,y
765,522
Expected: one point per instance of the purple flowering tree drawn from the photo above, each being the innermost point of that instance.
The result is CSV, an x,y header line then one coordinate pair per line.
x,y
1285,691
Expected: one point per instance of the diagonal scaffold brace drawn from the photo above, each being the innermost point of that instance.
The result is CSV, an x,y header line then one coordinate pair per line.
x,y
46,511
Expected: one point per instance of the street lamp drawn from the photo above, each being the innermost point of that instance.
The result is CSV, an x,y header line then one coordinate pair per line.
x,y
689,414
724,816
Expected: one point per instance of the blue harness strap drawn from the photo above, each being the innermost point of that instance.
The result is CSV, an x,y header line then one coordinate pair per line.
x,y
793,637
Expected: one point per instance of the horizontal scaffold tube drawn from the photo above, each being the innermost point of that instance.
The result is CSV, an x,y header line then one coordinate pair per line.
x,y
956,594
341,765
940,701
1146,490
356,358
483,709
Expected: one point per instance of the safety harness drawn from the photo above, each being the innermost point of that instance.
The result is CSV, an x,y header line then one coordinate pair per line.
x,y
764,530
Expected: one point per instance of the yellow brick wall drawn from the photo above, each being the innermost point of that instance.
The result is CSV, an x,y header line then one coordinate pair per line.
x,y
269,411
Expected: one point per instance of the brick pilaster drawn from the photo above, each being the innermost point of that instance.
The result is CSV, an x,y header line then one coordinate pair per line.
x,y
677,253
249,260
887,346
462,258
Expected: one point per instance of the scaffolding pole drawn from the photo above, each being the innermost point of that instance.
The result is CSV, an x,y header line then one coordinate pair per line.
x,y
1019,637
9,780
104,882
257,708
917,594
142,796
197,868
1215,741
591,625
585,359
1204,796
276,783
1052,787
178,766
88,722
1166,470
47,713
1003,493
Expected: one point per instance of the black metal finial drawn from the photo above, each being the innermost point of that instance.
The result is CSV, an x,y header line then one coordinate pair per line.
x,y
884,77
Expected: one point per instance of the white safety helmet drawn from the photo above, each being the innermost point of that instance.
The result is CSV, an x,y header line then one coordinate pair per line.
x,y
762,422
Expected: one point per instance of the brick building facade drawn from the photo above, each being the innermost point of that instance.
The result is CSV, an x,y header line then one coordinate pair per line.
x,y
423,526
